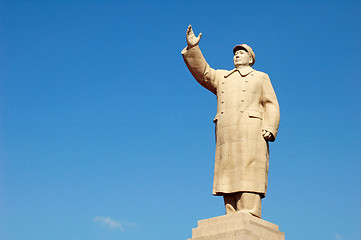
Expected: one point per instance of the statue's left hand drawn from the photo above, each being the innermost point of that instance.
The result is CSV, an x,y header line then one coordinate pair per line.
x,y
267,135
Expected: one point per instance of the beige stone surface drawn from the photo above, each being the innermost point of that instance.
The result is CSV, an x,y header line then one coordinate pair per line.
x,y
237,226
247,119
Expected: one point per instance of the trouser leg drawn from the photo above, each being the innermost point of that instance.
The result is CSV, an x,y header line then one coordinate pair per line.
x,y
249,202
230,203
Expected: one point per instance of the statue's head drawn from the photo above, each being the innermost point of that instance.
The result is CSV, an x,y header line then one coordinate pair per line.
x,y
243,56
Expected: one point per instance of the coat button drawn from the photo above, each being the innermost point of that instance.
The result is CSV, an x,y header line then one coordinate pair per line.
x,y
241,111
242,100
243,90
222,112
222,82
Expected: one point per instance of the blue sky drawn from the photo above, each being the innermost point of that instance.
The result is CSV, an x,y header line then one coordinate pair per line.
x,y
104,134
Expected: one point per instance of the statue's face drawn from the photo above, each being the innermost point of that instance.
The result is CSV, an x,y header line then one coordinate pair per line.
x,y
242,58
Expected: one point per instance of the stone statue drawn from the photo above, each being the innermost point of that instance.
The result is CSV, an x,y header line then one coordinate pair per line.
x,y
247,120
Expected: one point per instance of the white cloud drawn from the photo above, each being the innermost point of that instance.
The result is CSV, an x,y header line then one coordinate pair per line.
x,y
113,224
338,236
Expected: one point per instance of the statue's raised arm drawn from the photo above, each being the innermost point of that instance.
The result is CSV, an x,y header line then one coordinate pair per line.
x,y
196,63
192,40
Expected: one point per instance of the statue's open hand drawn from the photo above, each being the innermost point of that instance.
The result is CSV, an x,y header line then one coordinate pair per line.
x,y
267,135
192,40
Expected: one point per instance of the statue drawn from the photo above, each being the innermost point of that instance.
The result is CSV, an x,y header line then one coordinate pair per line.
x,y
247,120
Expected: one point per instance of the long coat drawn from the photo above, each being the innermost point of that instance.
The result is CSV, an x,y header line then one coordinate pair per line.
x,y
246,104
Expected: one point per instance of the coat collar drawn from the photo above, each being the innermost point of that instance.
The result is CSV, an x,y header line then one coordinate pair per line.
x,y
243,71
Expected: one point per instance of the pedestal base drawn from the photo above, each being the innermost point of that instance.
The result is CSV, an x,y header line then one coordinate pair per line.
x,y
236,226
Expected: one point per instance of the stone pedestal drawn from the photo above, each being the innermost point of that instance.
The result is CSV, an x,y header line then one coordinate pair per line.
x,y
237,226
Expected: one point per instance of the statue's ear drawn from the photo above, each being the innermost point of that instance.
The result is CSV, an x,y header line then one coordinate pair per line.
x,y
250,60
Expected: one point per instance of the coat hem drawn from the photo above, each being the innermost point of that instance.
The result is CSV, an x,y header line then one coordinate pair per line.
x,y
224,193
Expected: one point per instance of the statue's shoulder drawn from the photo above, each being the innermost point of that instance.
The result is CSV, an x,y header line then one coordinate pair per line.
x,y
259,74
225,73
222,72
